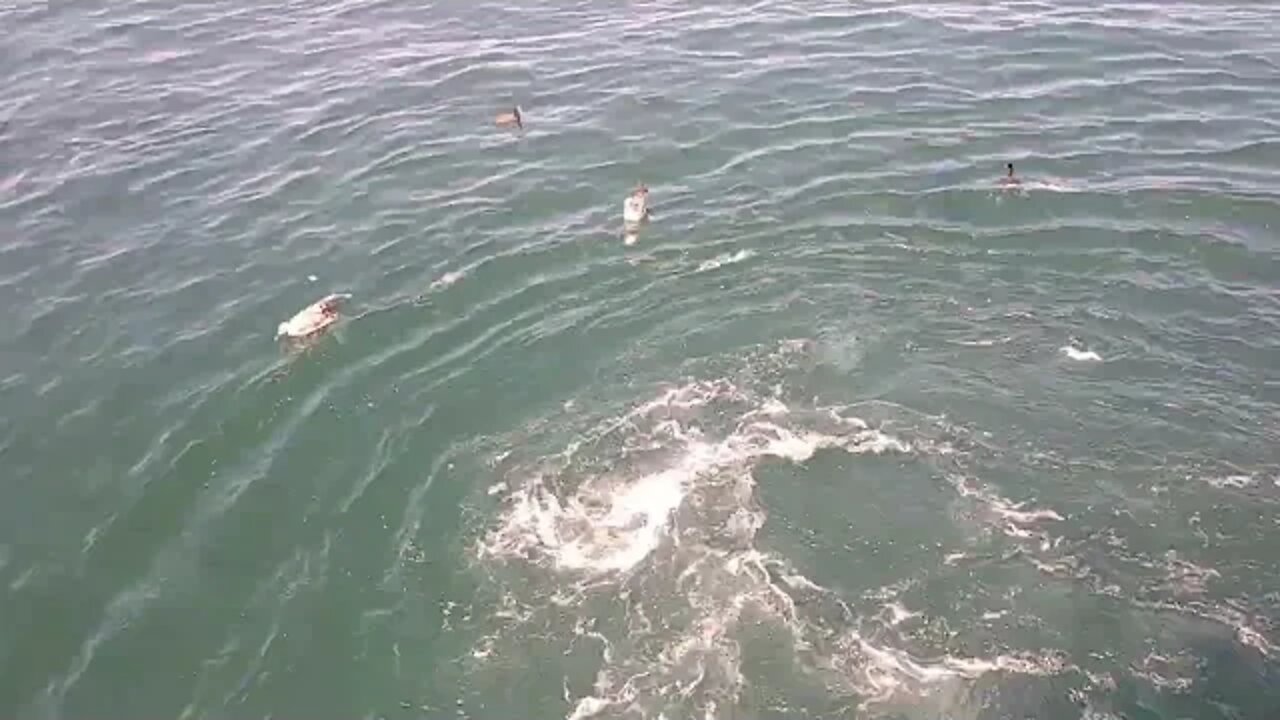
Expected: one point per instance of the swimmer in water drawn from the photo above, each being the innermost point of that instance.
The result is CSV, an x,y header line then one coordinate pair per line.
x,y
314,318
635,209
1010,182
635,212
507,119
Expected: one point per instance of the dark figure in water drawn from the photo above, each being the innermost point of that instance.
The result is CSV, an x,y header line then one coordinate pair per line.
x,y
1010,179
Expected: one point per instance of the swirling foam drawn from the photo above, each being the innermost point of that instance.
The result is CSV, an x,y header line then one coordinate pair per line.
x,y
658,506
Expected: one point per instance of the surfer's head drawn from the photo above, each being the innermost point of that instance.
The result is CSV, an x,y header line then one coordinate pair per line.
x,y
1010,166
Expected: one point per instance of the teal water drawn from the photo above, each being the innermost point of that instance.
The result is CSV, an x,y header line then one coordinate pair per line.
x,y
816,445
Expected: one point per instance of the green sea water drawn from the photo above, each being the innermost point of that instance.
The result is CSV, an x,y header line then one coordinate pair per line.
x,y
849,430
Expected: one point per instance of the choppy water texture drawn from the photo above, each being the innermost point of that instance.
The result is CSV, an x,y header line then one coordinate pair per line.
x,y
850,431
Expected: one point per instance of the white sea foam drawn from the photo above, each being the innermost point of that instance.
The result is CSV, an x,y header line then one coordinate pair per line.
x,y
1013,515
1185,578
1080,355
650,518
1236,482
447,279
725,259
612,522
990,342
897,613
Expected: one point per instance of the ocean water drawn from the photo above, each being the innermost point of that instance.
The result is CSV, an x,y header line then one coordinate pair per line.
x,y
850,429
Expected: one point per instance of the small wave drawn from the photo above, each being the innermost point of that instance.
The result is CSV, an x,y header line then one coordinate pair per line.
x,y
897,614
1235,482
1014,517
1236,620
1175,673
1080,355
447,280
983,343
725,259
1184,577
1047,185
